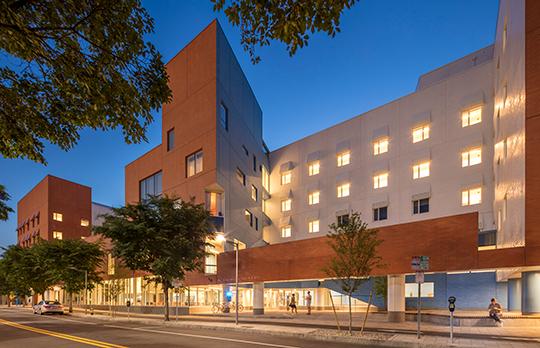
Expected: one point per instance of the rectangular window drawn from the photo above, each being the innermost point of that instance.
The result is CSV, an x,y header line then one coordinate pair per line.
x,y
343,190
254,193
380,146
471,157
57,235
85,223
380,213
194,163
110,264
57,216
286,205
421,206
380,180
170,139
471,196
427,289
240,176
344,159
150,186
246,152
254,163
286,231
313,226
313,197
210,262
286,178
420,133
421,170
471,116
314,168
256,223
224,116
265,178
249,217
343,219
213,203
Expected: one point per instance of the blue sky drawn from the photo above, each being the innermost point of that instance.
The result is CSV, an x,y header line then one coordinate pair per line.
x,y
383,47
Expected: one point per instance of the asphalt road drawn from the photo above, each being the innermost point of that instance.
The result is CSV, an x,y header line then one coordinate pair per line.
x,y
25,330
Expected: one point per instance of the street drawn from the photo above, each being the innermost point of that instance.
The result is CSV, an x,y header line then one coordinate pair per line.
x,y
20,328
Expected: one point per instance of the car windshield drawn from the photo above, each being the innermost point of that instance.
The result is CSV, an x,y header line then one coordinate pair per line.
x,y
52,302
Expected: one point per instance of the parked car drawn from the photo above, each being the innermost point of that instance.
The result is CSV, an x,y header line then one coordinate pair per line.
x,y
48,306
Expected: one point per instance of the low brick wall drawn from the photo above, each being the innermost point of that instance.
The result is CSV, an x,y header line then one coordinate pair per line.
x,y
182,310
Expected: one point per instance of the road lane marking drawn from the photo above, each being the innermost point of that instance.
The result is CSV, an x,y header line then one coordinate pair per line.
x,y
61,335
204,337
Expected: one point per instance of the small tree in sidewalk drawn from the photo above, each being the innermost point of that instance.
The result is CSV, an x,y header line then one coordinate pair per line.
x,y
355,247
162,236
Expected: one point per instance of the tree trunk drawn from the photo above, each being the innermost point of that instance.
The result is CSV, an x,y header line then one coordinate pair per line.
x,y
166,293
367,312
350,313
70,300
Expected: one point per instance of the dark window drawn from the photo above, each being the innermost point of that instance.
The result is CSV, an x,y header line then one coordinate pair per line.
x,y
380,213
194,163
150,186
224,116
241,176
254,163
170,139
256,223
343,219
245,150
421,206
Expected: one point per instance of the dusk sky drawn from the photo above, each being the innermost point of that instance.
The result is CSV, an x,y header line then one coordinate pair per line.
x,y
383,47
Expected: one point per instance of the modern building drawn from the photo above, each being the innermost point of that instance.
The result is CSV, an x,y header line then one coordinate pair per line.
x,y
57,209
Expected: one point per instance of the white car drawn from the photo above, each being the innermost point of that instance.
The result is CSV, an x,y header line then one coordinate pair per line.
x,y
48,306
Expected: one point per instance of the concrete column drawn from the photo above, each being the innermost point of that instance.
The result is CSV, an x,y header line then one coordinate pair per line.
x,y
530,292
396,298
514,294
258,298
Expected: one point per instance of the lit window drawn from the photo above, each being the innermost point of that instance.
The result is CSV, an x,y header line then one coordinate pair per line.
x,y
471,196
427,289
421,206
57,216
265,177
380,213
213,203
194,163
421,170
313,226
240,176
254,193
343,190
380,180
286,178
224,116
470,117
210,262
110,264
380,146
420,133
313,198
249,217
286,205
286,231
343,159
85,222
57,235
314,168
471,157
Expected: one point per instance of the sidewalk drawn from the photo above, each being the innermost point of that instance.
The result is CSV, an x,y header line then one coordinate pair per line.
x,y
322,326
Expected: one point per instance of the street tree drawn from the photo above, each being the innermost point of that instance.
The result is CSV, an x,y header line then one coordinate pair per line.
x,y
355,255
4,208
71,64
35,270
288,21
69,260
16,280
163,236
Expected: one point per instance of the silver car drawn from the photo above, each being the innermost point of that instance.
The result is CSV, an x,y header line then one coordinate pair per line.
x,y
48,306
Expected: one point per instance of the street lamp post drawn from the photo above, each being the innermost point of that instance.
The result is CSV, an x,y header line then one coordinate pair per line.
x,y
221,237
85,288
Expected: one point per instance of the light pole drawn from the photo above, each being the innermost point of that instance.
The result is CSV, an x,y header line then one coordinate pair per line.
x,y
221,238
85,288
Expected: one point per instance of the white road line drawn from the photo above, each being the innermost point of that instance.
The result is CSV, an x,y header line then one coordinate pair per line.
x,y
204,337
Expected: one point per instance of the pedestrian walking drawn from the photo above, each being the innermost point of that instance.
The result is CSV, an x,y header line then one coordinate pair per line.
x,y
308,302
495,311
292,304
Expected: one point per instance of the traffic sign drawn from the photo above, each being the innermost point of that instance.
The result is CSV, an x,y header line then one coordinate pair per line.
x,y
419,277
420,263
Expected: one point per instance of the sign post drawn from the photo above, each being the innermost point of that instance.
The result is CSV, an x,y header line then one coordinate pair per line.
x,y
176,283
451,308
419,264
